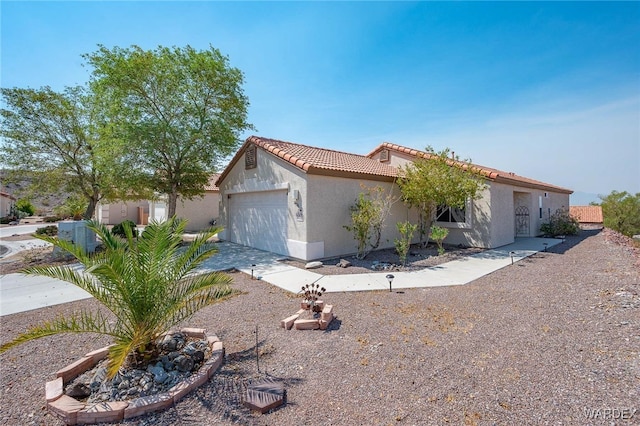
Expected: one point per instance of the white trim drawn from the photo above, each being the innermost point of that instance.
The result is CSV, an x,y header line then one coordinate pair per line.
x,y
305,251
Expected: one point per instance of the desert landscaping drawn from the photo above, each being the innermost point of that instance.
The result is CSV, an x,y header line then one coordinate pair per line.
x,y
553,339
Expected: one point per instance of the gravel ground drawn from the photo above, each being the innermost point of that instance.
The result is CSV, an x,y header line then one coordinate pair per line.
x,y
418,258
544,341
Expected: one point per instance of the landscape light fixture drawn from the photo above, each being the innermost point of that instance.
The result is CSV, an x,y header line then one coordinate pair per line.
x,y
253,265
545,246
512,253
390,279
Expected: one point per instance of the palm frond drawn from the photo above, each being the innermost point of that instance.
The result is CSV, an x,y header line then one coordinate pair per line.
x,y
84,322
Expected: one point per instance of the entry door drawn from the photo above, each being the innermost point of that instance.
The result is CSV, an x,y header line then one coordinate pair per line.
x,y
259,219
522,222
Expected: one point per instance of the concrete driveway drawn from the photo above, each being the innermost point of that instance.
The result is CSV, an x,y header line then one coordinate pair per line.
x,y
20,293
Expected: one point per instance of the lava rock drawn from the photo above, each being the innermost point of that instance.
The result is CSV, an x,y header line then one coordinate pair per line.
x,y
78,390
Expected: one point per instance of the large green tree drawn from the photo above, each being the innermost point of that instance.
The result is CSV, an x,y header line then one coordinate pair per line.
x,y
621,212
179,109
60,141
435,180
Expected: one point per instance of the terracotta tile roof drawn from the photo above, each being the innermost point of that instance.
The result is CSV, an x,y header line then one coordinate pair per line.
x,y
587,214
319,161
7,195
211,185
342,164
488,172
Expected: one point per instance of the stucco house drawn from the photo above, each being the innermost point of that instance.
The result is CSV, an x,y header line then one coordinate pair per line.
x,y
199,212
6,203
589,217
294,200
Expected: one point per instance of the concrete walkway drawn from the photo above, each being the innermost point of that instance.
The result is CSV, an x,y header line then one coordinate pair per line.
x,y
457,272
20,293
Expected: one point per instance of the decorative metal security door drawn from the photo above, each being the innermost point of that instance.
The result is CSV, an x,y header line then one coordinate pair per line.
x,y
522,221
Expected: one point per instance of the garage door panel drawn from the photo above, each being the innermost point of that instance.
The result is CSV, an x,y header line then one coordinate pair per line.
x,y
260,220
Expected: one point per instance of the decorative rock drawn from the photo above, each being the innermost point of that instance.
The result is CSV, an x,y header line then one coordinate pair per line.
x,y
313,265
78,390
183,363
198,356
343,263
98,378
107,399
159,375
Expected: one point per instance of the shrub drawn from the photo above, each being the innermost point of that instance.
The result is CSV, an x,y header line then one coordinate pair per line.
x,y
560,223
23,205
50,230
367,218
621,212
119,228
403,243
438,234
51,219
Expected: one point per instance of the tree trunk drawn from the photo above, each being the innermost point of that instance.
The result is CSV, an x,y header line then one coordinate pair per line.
x,y
171,205
91,208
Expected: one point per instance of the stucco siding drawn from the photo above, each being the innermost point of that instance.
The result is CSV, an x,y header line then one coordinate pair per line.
x,y
199,211
329,201
115,213
503,226
5,205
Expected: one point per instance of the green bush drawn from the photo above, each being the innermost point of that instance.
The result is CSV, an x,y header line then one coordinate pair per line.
x,y
23,205
51,219
50,230
560,223
119,228
438,234
406,229
621,212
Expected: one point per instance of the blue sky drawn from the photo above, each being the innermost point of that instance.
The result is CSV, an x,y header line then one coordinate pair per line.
x,y
550,91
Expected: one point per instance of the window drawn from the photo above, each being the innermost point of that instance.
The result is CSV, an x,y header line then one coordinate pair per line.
x,y
450,214
384,155
250,161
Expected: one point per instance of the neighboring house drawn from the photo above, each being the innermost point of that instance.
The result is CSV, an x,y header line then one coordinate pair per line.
x,y
589,217
6,203
199,211
294,200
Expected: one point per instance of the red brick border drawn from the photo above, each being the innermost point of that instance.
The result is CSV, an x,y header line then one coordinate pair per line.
x,y
74,412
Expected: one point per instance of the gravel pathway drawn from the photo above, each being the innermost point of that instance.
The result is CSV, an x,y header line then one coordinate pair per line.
x,y
549,340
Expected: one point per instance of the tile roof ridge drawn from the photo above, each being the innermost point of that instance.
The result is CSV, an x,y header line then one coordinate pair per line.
x,y
488,172
263,139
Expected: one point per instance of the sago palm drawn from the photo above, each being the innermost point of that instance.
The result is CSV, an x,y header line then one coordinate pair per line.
x,y
148,284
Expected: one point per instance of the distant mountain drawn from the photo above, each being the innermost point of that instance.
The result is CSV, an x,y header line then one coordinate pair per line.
x,y
44,204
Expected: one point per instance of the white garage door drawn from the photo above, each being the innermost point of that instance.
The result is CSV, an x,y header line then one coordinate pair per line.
x,y
259,219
